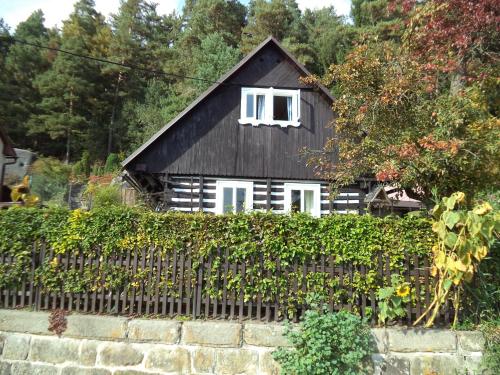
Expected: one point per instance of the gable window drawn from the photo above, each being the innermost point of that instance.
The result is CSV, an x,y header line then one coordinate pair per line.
x,y
261,106
233,196
303,198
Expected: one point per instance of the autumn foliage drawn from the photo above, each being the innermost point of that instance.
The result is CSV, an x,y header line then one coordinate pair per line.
x,y
421,115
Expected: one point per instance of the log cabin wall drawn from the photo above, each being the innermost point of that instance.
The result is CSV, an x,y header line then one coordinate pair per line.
x,y
184,193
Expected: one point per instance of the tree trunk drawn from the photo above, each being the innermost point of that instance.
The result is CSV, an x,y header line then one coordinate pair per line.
x,y
68,127
113,112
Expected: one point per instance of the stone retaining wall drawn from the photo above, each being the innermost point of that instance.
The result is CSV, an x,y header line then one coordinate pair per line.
x,y
104,345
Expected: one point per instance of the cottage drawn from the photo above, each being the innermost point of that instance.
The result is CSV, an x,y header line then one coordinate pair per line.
x,y
238,147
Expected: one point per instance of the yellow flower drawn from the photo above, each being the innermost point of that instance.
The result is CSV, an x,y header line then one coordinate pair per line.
x,y
403,290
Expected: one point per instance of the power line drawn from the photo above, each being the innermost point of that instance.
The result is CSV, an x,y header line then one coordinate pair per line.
x,y
130,66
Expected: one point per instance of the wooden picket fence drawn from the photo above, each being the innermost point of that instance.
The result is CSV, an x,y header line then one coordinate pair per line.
x,y
175,284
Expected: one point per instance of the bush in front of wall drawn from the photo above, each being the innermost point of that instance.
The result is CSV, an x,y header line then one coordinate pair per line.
x,y
326,343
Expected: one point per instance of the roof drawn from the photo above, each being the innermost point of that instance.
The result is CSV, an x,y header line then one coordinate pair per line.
x,y
8,147
223,80
377,195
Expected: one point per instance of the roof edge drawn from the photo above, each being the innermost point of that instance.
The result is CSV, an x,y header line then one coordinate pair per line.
x,y
218,83
8,146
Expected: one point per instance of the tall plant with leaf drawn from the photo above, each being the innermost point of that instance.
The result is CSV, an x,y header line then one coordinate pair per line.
x,y
464,239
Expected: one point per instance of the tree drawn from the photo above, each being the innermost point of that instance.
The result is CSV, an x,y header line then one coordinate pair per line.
x,y
162,103
278,18
454,36
377,18
212,59
21,66
69,87
140,37
329,37
390,125
205,17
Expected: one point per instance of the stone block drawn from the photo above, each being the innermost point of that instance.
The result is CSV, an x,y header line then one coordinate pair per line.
x,y
75,370
203,360
379,340
436,364
16,346
134,372
267,365
88,352
119,354
24,321
2,342
470,341
473,363
165,331
27,368
236,361
96,326
5,368
270,335
53,350
390,365
169,360
220,334
421,340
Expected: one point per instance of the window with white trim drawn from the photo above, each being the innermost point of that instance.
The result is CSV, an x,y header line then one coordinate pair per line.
x,y
303,198
233,196
270,106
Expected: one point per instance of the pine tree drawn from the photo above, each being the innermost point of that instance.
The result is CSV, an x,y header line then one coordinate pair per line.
x,y
21,66
142,38
212,59
329,37
278,18
69,87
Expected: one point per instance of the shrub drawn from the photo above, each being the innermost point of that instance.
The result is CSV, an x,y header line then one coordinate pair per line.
x,y
49,180
82,167
106,196
326,344
112,163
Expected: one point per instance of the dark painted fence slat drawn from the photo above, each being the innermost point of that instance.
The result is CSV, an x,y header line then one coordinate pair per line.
x,y
162,282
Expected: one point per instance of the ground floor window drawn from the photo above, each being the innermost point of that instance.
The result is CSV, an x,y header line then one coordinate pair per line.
x,y
303,198
233,196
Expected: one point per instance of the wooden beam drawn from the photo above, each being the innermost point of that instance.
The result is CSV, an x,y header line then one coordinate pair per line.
x,y
268,195
200,195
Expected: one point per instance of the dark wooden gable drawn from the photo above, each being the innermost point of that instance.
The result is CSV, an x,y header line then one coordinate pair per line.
x,y
208,140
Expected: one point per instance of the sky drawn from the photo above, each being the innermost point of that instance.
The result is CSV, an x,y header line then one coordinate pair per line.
x,y
15,11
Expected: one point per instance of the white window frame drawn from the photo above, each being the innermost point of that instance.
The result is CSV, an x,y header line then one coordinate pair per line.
x,y
316,188
219,194
269,94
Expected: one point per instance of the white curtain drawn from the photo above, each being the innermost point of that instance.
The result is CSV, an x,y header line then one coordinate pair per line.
x,y
289,107
260,106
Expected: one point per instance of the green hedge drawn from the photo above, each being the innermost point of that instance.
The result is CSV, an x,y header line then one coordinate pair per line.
x,y
351,238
